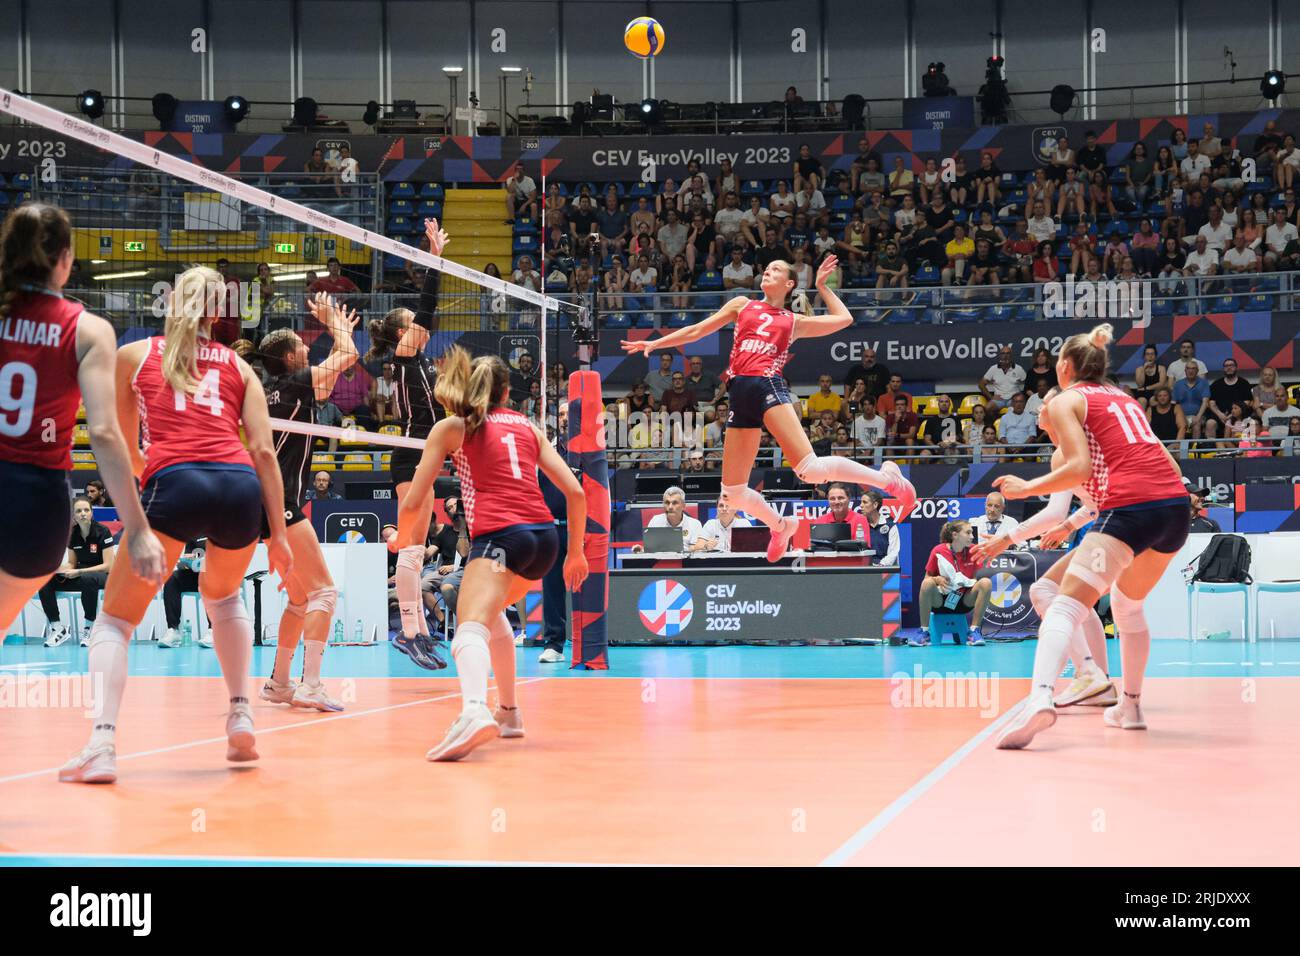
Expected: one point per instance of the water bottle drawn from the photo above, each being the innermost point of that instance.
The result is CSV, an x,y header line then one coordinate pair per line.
x,y
338,632
187,634
360,632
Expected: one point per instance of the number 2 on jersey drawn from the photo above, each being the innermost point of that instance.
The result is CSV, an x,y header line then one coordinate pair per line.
x,y
208,394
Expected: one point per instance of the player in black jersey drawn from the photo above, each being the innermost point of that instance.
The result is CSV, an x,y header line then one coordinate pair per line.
x,y
405,335
293,387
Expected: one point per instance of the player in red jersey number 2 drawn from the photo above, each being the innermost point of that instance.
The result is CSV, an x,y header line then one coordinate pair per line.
x,y
760,398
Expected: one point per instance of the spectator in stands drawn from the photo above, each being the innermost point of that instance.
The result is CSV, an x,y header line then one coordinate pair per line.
x,y
974,426
952,570
1139,175
940,434
1168,421
699,241
812,204
612,223
351,394
930,183
728,220
1262,394
1041,226
1282,244
527,276
1171,262
660,380
97,494
1217,233
716,430
91,552
959,250
1249,226
958,191
824,399
643,215
891,269
938,214
1046,267
1092,270
1290,207
987,447
1149,377
1164,173
1080,245
1291,443
782,206
1099,197
1145,249
678,398
1202,263
556,212
875,374
334,282
583,227
1241,259
1002,381
800,235
1041,369
808,169
1041,386
1192,392
1115,253
1061,159
1194,163
901,181
521,379
840,512
1186,353
1277,417
679,282
1193,217
894,390
695,186
380,399
871,179
869,429
922,246
716,532
770,252
1017,427
988,229
706,386
754,222
904,216
643,282
582,283
1092,158
1072,195
615,284
984,264
738,275
638,399
994,521
317,169
901,424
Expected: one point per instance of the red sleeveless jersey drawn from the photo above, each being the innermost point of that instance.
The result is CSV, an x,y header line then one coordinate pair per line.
x,y
498,474
1129,466
39,393
761,345
204,427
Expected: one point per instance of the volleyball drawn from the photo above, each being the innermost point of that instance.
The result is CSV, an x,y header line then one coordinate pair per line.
x,y
644,37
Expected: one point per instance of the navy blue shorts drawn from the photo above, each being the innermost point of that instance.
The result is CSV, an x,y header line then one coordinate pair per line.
x,y
402,464
529,550
38,519
1161,526
220,502
292,515
750,396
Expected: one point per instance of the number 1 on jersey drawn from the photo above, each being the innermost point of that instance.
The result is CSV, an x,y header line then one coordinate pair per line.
x,y
509,441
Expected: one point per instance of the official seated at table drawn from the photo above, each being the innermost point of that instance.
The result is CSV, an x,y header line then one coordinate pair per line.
x,y
837,496
675,516
716,534
882,533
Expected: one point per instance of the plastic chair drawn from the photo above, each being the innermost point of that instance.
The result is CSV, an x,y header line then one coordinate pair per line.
x,y
1271,587
1197,588
943,622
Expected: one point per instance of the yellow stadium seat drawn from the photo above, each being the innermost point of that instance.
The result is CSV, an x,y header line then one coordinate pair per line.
x,y
323,466
390,429
386,458
81,412
969,402
321,458
357,463
355,444
80,436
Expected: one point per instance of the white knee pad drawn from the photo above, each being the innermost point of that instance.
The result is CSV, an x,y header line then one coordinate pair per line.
x,y
229,608
812,470
1041,593
110,630
1130,618
323,599
411,558
1099,561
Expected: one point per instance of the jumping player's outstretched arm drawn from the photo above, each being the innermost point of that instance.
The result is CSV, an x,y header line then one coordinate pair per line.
x,y
417,333
261,448
444,438
339,322
691,333
1066,412
97,348
837,313
555,468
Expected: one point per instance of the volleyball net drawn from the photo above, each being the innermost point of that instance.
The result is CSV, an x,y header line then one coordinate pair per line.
x,y
145,215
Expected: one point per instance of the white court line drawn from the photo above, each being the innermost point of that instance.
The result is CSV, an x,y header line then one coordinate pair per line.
x,y
272,730
887,816
34,665
164,859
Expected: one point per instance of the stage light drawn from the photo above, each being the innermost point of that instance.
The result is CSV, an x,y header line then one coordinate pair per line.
x,y
164,108
934,81
236,109
371,115
304,112
1062,99
1273,84
91,103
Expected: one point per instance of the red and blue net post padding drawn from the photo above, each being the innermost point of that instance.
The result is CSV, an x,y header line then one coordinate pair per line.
x,y
587,454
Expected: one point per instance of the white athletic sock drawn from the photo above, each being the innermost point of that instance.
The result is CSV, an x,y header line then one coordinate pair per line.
x,y
409,562
1041,594
501,644
1094,632
746,499
1064,617
469,648
313,651
232,639
1134,650
286,641
107,664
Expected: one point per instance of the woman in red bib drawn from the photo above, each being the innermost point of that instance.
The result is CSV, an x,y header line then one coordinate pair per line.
x,y
760,398
497,452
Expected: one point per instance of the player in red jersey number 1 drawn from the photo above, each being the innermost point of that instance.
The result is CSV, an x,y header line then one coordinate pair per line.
x,y
760,398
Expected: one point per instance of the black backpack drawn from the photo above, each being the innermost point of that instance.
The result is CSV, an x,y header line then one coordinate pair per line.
x,y
1226,560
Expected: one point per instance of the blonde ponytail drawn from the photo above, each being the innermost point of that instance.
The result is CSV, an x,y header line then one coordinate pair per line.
x,y
1087,352
469,388
1101,336
198,295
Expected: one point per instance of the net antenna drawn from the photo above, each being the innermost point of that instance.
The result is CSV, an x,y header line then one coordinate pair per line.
x,y
74,128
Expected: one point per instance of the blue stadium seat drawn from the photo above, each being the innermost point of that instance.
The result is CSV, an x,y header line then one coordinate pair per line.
x,y
1223,303
400,226
1000,313
753,187
927,275
1271,283
618,188
526,227
403,191
618,320
429,210
528,243
904,317
1259,302
564,189
867,317
432,191
932,316
645,320
677,320
1028,313
21,181
393,263
959,215
641,189
709,280
1162,307
591,187
556,281
842,204
401,207
708,303
4,199
963,315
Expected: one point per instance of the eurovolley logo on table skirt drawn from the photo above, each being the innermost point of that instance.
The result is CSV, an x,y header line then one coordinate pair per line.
x,y
1106,299
665,607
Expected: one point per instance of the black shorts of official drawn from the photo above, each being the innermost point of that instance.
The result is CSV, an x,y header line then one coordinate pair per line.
x,y
292,515
529,550
213,500
402,464
1160,526
38,519
750,396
